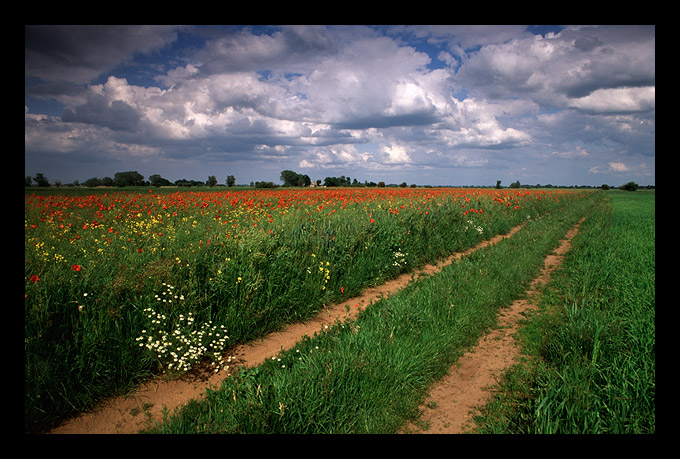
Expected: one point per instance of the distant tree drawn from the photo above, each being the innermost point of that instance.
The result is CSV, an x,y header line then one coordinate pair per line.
x,y
292,178
341,181
107,181
330,181
29,180
605,186
41,180
157,180
185,182
130,178
515,184
94,181
212,181
403,185
289,178
498,184
630,186
381,184
231,180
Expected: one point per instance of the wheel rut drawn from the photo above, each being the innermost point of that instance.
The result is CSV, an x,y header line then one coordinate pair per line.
x,y
452,401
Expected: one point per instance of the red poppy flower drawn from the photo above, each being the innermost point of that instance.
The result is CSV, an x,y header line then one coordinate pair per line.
x,y
76,268
34,278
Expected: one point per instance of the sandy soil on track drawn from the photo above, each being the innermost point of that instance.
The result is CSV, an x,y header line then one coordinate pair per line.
x,y
131,413
451,404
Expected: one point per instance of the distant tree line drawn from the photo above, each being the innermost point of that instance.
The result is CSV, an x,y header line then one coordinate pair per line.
x,y
292,178
630,186
129,178
288,177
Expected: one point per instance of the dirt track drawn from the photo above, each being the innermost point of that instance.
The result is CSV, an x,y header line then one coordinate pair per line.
x,y
450,406
454,397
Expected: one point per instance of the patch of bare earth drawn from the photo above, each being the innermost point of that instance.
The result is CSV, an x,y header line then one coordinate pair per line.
x,y
451,404
134,412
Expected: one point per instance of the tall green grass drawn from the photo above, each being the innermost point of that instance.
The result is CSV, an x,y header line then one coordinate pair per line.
x,y
370,374
593,344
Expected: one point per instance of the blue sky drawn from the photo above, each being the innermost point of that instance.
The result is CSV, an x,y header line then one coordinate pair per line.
x,y
430,105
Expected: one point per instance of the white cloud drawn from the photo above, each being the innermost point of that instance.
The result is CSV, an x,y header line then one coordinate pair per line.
x,y
475,123
616,100
613,166
618,167
396,154
338,156
577,153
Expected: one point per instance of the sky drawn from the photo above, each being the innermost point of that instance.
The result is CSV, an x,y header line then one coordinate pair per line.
x,y
427,105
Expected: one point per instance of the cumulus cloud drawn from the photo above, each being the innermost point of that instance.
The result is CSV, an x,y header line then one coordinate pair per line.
x,y
616,100
336,157
618,167
346,97
476,123
556,68
611,167
396,154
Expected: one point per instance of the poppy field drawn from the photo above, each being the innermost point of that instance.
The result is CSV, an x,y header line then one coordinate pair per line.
x,y
121,286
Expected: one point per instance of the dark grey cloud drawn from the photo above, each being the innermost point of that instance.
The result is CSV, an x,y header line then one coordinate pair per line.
x,y
425,118
81,53
118,116
285,49
587,43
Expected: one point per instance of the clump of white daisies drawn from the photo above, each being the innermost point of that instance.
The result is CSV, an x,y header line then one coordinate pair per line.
x,y
181,345
477,228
